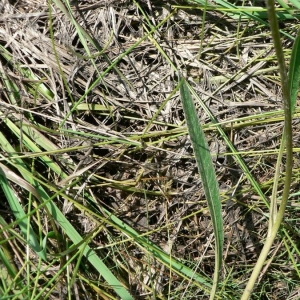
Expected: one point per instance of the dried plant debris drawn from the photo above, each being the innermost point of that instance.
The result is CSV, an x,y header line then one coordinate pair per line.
x,y
108,109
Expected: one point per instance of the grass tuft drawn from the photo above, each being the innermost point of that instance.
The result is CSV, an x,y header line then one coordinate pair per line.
x,y
101,147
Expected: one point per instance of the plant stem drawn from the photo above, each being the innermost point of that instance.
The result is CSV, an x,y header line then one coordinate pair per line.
x,y
287,139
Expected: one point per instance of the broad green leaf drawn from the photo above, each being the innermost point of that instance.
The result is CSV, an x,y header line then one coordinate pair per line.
x,y
208,176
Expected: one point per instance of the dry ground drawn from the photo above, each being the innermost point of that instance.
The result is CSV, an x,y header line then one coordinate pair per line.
x,y
153,184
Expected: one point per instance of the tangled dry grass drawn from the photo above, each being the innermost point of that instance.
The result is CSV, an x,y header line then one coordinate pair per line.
x,y
127,143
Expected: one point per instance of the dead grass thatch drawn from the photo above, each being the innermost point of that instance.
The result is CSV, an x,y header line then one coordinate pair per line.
x,y
152,182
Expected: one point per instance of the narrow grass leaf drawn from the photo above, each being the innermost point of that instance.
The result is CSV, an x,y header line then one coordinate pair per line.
x,y
6,254
90,254
294,73
159,254
20,214
76,238
233,149
185,272
296,3
207,172
34,82
35,137
59,217
242,12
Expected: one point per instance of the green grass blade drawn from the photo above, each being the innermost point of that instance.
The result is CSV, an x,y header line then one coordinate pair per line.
x,y
294,72
176,266
294,76
6,253
76,238
20,214
296,3
34,84
143,242
238,157
59,217
88,252
240,11
207,172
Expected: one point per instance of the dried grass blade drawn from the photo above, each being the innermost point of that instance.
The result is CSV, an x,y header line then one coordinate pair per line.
x,y
208,176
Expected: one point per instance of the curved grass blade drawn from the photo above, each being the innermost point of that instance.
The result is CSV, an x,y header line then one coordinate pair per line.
x,y
208,176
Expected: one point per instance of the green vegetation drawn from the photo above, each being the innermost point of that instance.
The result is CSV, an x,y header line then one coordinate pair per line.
x,y
147,150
